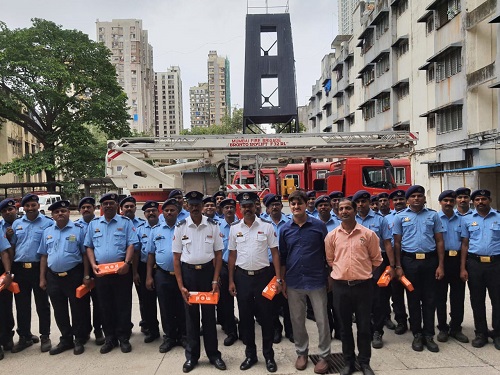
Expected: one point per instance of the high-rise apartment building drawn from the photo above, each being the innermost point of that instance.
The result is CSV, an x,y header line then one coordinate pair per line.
x,y
132,56
346,9
198,105
219,92
168,102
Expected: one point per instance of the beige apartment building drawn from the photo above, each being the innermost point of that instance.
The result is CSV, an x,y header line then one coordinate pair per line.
x,y
168,102
428,67
198,105
132,56
219,92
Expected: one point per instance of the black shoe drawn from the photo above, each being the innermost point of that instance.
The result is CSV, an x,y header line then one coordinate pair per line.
x,y
496,342
35,339
418,342
348,369
8,347
401,329
230,339
2,355
22,344
107,347
491,333
167,345
460,337
271,365
389,324
377,342
430,344
189,365
79,348
277,337
183,342
46,344
61,347
479,341
125,346
151,337
99,338
247,363
366,369
218,363
290,337
442,336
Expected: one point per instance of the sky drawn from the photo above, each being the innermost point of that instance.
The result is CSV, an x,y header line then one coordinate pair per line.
x,y
182,32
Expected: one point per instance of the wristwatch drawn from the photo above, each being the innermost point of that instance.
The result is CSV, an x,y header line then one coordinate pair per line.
x,y
279,281
86,277
128,262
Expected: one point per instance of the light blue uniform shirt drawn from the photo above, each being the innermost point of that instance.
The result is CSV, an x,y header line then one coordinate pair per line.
x,y
4,242
182,215
63,247
224,227
144,235
83,223
27,237
313,213
110,240
483,233
332,223
460,214
417,229
390,222
377,223
452,231
160,244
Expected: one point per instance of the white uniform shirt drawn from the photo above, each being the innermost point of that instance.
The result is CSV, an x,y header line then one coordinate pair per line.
x,y
197,244
252,243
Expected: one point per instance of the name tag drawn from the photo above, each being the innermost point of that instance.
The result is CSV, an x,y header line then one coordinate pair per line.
x,y
419,256
452,253
485,259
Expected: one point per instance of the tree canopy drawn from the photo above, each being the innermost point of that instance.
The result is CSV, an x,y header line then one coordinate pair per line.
x,y
61,87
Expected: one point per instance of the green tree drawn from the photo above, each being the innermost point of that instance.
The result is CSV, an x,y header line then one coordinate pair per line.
x,y
61,87
229,125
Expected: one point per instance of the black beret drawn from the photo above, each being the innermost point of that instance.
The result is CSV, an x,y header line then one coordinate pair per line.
x,y
29,198
447,194
246,198
463,191
361,194
219,194
311,194
349,197
398,194
86,200
374,198
170,202
174,192
150,204
480,192
383,195
226,202
130,199
7,202
59,204
209,199
109,197
193,197
322,199
271,198
414,189
336,195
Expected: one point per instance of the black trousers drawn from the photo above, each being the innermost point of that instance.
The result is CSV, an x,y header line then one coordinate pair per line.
x,y
348,300
173,316
252,304
225,307
61,291
280,305
6,314
398,301
381,298
29,280
457,295
482,277
147,301
115,297
422,301
200,280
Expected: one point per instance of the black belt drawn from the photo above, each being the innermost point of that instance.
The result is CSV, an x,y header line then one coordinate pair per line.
x,y
28,265
419,256
351,282
484,258
253,273
452,253
198,266
66,273
162,270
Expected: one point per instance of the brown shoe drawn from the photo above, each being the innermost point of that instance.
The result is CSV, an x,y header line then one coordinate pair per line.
x,y
321,367
301,362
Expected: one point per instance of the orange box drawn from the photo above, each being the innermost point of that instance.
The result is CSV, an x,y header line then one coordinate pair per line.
x,y
13,287
109,268
385,278
270,290
205,298
82,289
408,285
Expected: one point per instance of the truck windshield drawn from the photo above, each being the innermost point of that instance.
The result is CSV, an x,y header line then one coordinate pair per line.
x,y
378,177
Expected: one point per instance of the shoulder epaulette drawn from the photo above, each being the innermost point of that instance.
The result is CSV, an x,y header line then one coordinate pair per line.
x,y
183,221
48,217
78,225
124,217
141,224
96,218
430,209
379,214
141,219
235,222
266,221
156,225
212,221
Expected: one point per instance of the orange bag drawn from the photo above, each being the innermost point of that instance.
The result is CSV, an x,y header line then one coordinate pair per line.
x,y
270,290
82,289
205,298
109,268
13,287
385,278
408,285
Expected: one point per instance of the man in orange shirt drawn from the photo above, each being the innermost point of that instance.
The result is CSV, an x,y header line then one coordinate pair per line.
x,y
353,253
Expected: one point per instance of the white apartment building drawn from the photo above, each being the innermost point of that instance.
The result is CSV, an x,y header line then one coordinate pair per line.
x,y
219,92
198,105
345,10
428,67
132,56
168,102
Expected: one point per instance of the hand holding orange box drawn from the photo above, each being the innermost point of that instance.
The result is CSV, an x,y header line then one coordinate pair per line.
x,y
270,290
205,298
82,289
385,278
109,268
408,285
13,287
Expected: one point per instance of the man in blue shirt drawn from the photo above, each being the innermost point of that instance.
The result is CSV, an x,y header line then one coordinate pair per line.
x,y
419,252
111,238
179,197
209,208
311,198
219,197
452,225
27,235
303,267
480,264
63,268
336,196
463,201
161,278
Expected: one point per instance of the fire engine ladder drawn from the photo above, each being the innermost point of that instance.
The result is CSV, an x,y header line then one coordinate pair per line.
x,y
235,164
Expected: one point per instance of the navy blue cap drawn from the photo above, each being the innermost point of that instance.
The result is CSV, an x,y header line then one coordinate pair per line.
x,y
174,192
311,194
414,189
29,198
383,195
349,197
59,204
463,191
336,195
322,199
86,200
130,199
447,194
194,197
374,198
480,192
246,198
150,204
209,199
170,202
227,201
109,197
361,194
7,202
271,198
398,194
219,194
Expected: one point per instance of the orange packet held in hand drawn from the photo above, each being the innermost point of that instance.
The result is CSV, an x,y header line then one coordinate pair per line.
x,y
385,278
13,287
408,285
109,268
82,289
270,290
205,298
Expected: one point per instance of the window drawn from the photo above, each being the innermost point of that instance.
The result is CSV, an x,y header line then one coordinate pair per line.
x,y
383,65
449,64
402,7
449,119
367,42
384,103
430,73
382,26
403,90
369,110
399,175
431,121
340,126
368,77
446,11
340,101
435,167
402,48
429,24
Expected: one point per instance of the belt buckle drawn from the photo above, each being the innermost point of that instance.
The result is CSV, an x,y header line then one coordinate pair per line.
x,y
453,253
198,267
172,273
420,256
250,273
62,274
485,259
27,265
351,282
